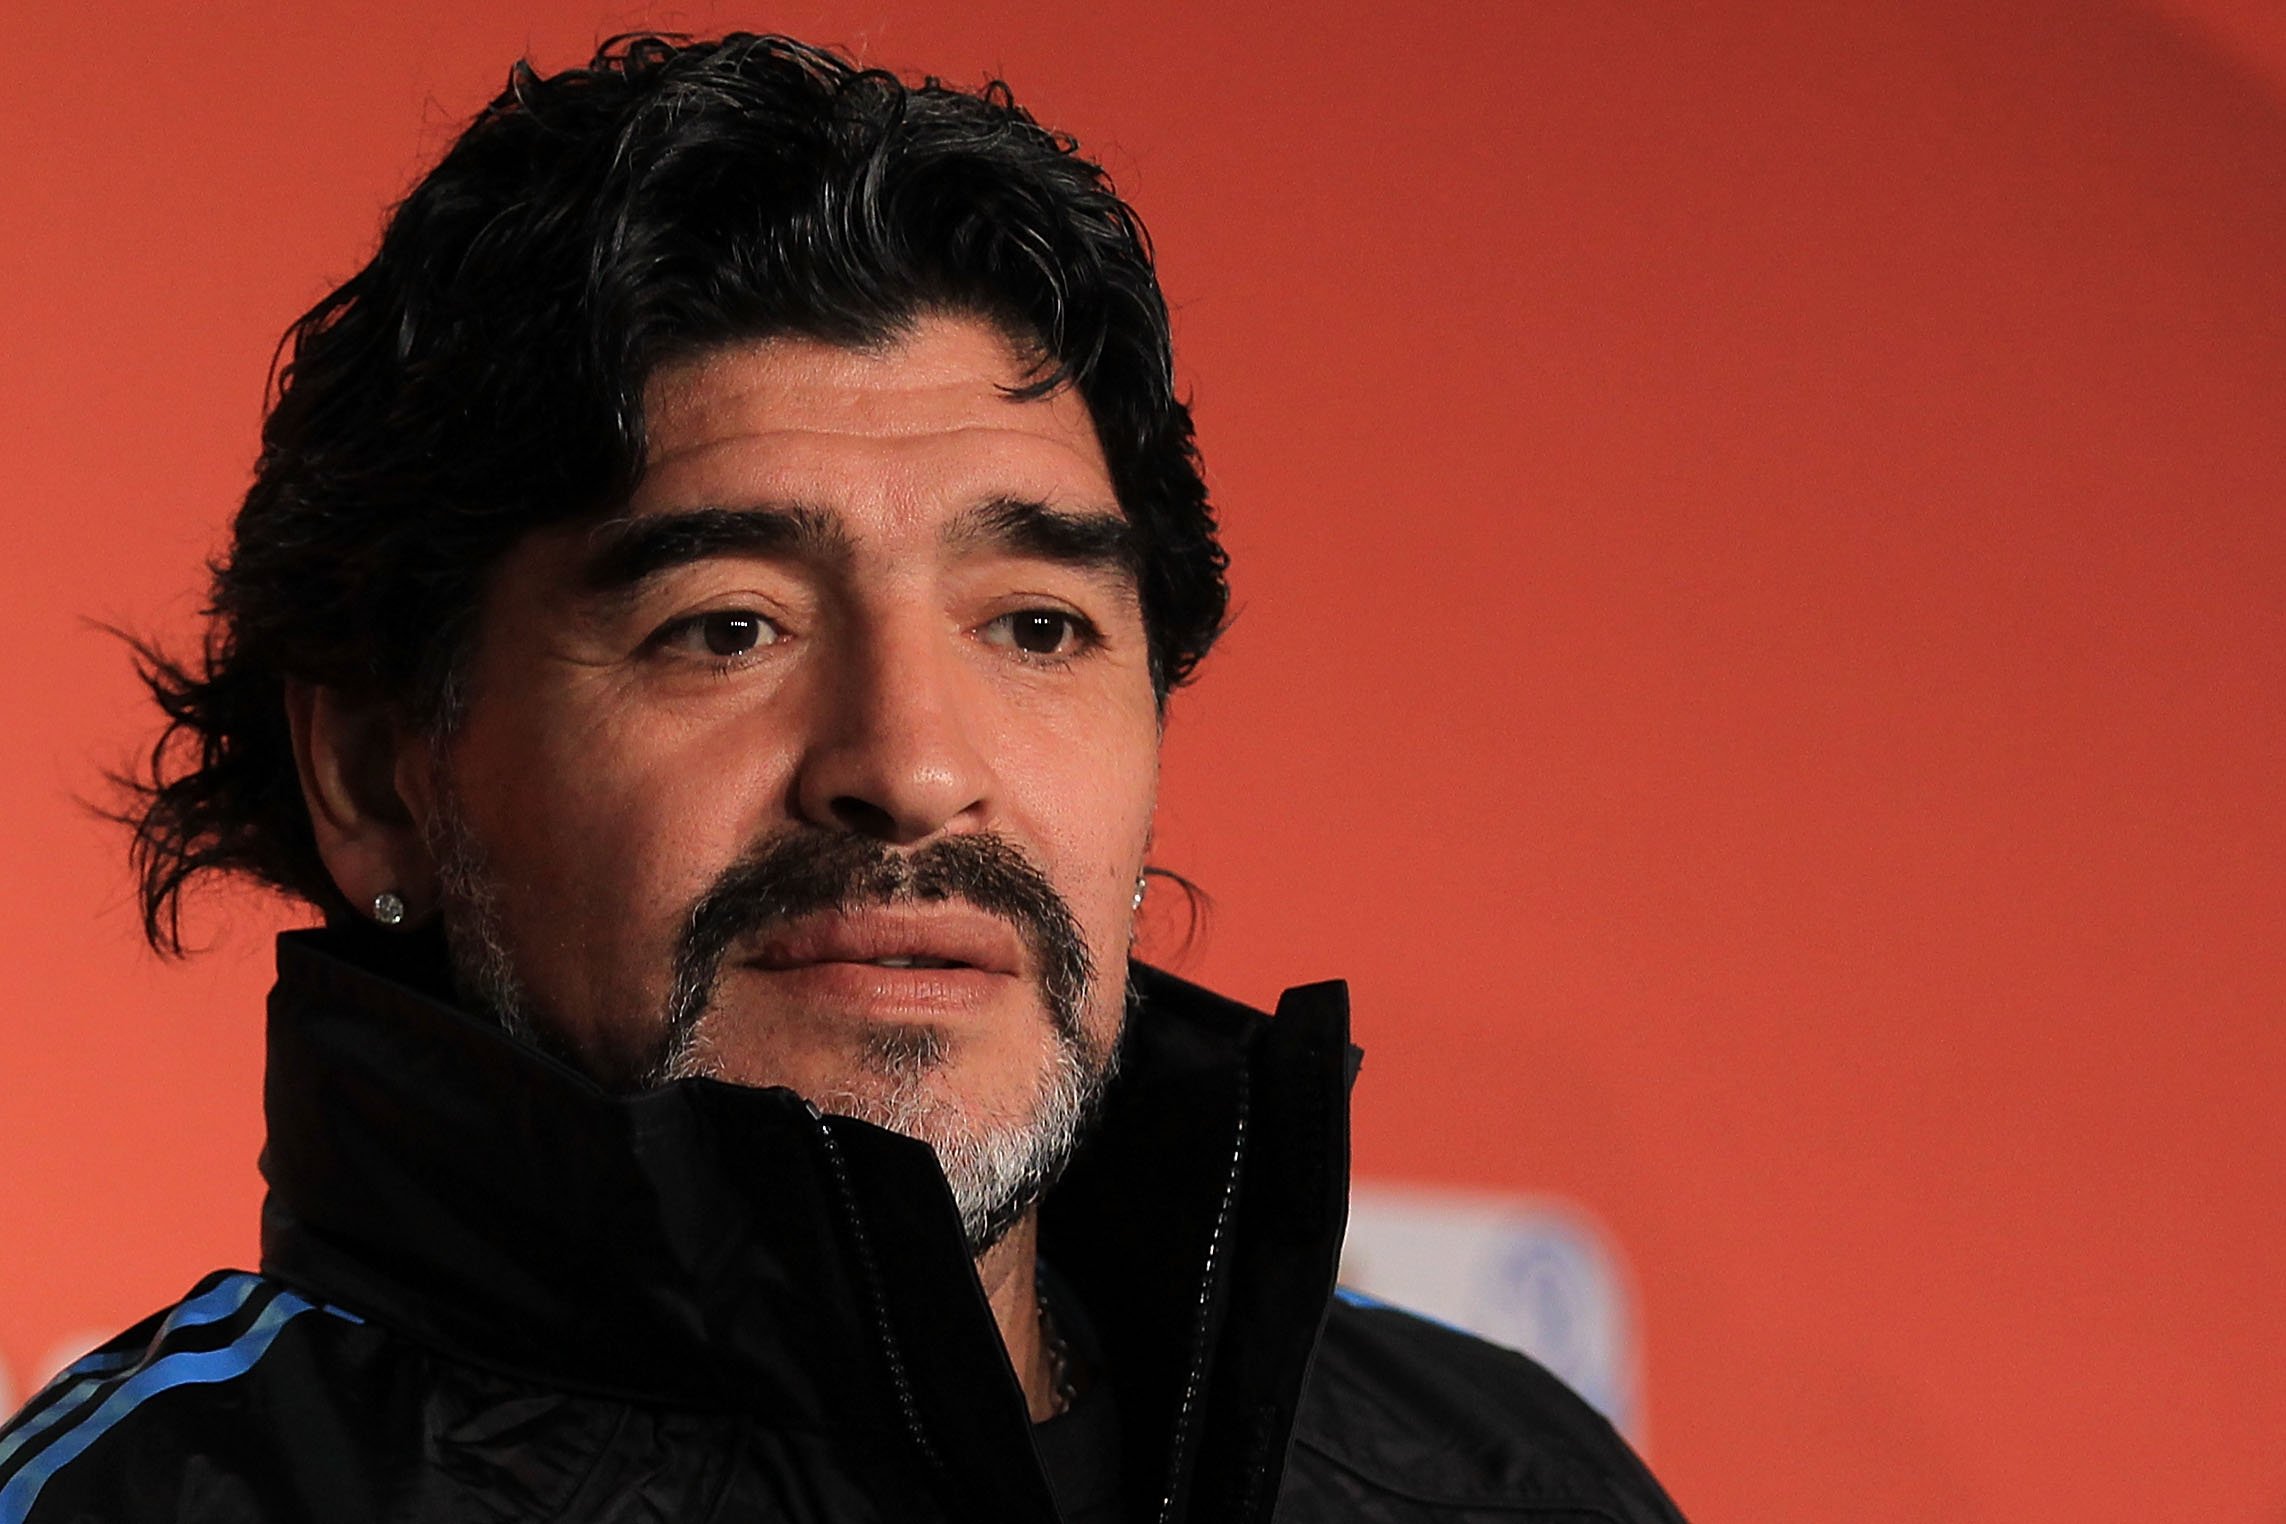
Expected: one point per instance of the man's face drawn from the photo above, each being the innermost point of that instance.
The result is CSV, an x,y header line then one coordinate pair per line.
x,y
830,762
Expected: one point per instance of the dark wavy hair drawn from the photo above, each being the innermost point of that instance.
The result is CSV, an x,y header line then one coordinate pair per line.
x,y
483,376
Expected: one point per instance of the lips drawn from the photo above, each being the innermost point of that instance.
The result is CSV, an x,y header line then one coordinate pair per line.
x,y
912,938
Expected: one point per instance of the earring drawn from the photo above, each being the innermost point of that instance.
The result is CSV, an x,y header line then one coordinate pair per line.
x,y
389,908
1140,885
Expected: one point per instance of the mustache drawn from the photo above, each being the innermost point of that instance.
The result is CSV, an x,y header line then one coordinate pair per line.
x,y
801,873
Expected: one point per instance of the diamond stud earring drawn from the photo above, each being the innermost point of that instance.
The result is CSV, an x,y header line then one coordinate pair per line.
x,y
1140,885
389,908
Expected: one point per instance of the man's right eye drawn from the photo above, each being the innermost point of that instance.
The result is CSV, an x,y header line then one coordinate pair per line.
x,y
725,633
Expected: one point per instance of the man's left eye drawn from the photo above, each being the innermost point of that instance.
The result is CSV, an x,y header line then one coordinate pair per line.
x,y
1039,632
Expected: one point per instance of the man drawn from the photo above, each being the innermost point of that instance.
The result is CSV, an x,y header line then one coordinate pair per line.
x,y
699,633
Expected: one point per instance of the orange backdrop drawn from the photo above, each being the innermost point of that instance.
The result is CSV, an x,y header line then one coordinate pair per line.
x,y
1760,576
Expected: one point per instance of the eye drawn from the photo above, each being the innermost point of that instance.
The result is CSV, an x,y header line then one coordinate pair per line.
x,y
1041,632
723,633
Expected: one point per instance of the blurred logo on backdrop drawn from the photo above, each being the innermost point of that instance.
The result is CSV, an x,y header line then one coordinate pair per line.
x,y
1534,1273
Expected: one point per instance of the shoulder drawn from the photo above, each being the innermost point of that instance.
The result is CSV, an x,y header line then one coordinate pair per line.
x,y
1403,1411
180,1395
250,1401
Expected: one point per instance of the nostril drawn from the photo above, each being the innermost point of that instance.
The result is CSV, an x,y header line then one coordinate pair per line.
x,y
865,818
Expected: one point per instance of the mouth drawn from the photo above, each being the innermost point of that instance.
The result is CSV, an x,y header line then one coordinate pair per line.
x,y
936,939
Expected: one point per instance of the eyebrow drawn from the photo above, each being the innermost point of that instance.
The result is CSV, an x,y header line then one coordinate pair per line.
x,y
1098,540
628,552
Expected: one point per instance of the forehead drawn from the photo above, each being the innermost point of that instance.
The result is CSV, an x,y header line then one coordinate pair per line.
x,y
910,429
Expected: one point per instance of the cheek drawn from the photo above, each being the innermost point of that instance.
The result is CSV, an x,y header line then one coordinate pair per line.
x,y
600,834
1091,802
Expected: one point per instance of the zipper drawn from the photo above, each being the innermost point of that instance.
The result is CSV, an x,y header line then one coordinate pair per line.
x,y
1195,1380
870,1270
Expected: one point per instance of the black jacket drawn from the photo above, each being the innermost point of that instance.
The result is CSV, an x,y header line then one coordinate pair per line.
x,y
490,1291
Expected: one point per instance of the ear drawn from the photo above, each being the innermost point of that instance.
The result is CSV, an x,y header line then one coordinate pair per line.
x,y
369,783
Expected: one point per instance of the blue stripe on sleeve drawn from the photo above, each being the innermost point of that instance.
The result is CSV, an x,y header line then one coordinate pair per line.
x,y
122,1394
77,1384
1370,1303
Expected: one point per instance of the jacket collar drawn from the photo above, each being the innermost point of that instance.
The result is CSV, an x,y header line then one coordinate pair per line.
x,y
715,1245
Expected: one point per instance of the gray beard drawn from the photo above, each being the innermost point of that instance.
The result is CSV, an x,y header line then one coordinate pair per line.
x,y
997,1168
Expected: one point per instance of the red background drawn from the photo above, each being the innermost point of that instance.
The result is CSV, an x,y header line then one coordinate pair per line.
x,y
1760,571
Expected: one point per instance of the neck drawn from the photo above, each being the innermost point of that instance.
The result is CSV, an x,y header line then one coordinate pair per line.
x,y
1010,1273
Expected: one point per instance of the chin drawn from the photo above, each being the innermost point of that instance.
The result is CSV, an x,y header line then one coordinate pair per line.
x,y
998,1157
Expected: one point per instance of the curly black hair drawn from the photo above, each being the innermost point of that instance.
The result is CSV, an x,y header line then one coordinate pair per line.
x,y
483,376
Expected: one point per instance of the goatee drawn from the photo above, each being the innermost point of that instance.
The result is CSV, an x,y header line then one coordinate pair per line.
x,y
997,1166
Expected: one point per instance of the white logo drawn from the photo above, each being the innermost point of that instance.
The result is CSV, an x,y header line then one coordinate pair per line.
x,y
1533,1273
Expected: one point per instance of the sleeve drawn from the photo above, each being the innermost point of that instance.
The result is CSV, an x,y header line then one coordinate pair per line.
x,y
121,1435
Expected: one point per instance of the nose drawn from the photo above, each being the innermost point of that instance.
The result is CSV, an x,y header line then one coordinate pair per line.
x,y
892,754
